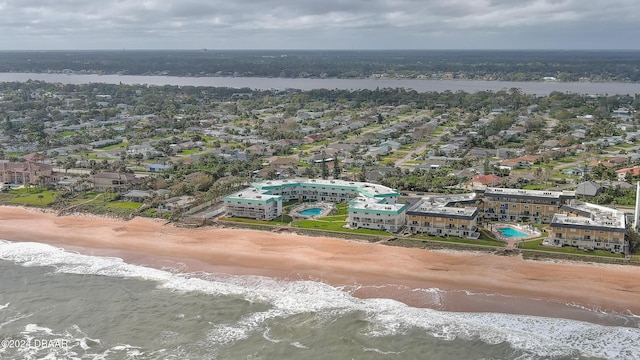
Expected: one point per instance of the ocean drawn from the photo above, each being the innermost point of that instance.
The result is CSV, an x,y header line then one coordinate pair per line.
x,y
56,304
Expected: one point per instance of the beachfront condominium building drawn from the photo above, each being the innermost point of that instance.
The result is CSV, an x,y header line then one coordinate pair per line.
x,y
253,203
517,205
334,191
448,215
589,226
367,214
374,206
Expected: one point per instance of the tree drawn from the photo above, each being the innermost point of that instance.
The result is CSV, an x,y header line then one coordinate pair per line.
x,y
272,174
634,240
324,168
337,170
362,174
69,163
309,172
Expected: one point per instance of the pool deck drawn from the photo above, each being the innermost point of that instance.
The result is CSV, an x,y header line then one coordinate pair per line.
x,y
326,210
530,232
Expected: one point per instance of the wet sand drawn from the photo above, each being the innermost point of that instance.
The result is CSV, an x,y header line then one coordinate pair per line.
x,y
468,281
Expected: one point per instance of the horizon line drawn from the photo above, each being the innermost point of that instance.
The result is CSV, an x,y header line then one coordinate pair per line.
x,y
327,49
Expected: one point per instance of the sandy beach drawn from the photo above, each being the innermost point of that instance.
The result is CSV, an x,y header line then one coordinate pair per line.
x,y
340,262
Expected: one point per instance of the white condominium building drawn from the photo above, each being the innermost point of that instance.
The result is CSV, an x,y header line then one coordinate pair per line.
x,y
447,215
254,204
589,226
364,213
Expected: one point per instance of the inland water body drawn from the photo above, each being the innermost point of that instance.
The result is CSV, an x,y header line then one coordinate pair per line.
x,y
538,88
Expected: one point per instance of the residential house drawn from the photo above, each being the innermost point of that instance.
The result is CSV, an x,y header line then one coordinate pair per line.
x,y
623,113
24,173
480,153
392,144
449,149
383,150
579,171
510,164
283,161
137,196
104,143
486,180
622,173
176,203
113,181
157,168
588,189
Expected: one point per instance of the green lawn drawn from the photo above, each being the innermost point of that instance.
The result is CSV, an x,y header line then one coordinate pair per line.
x,y
281,220
111,147
537,245
334,218
335,226
486,242
32,197
413,162
128,205
189,152
90,198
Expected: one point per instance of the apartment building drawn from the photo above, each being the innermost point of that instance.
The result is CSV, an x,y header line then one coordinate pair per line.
x,y
364,213
371,206
589,226
517,205
253,203
452,215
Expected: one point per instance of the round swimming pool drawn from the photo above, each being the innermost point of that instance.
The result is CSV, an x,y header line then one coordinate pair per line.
x,y
315,211
511,232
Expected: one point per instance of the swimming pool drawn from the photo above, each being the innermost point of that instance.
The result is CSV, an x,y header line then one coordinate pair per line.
x,y
511,232
315,211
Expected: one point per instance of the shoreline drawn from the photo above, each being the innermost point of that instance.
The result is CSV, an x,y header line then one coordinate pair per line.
x,y
466,281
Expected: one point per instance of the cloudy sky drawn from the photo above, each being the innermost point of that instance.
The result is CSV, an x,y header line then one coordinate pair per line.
x,y
319,24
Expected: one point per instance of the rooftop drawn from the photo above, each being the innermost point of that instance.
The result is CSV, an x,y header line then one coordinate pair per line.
x,y
597,215
253,194
443,205
521,192
367,189
362,203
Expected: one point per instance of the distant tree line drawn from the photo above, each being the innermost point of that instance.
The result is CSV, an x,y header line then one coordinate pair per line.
x,y
515,65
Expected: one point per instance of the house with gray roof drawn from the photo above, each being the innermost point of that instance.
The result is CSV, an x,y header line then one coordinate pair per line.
x,y
588,189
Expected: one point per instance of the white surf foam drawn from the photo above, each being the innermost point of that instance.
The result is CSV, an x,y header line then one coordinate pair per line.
x,y
538,336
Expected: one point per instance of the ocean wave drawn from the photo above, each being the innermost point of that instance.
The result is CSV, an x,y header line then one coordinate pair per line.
x,y
535,336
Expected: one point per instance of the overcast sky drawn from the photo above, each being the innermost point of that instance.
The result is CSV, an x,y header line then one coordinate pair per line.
x,y
319,24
